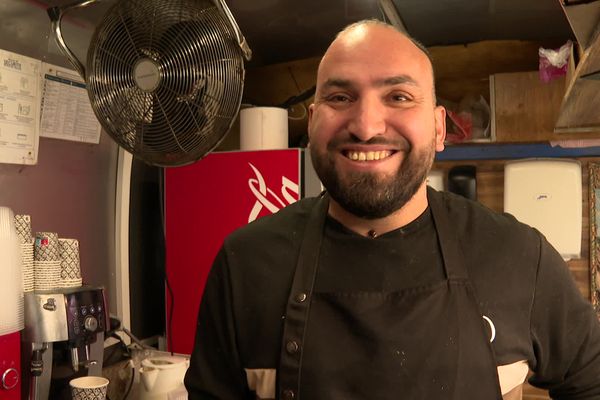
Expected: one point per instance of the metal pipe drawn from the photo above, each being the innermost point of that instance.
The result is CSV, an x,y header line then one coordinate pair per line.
x,y
391,13
75,358
36,368
56,15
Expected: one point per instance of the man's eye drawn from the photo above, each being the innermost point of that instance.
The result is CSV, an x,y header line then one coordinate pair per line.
x,y
399,97
338,98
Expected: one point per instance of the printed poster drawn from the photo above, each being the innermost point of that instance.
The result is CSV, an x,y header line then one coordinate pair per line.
x,y
66,110
20,100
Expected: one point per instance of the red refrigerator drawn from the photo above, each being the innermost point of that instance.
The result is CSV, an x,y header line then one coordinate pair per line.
x,y
206,201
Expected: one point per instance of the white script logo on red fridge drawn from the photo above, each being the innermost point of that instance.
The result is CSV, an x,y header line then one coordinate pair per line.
x,y
258,187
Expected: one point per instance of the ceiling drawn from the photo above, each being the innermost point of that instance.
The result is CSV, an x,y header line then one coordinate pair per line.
x,y
285,30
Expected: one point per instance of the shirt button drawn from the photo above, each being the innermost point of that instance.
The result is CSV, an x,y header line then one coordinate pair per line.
x,y
288,395
292,347
301,297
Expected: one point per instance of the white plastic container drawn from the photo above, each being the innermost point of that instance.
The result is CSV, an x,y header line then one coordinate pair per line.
x,y
11,277
160,376
546,194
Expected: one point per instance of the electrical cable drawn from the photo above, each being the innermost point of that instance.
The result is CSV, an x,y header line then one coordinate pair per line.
x,y
576,2
135,340
128,391
128,352
301,117
307,94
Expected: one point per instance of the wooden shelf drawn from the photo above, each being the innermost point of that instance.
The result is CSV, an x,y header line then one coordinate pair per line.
x,y
581,103
525,109
583,18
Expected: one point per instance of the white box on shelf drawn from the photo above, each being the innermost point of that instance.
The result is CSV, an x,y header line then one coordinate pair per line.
x,y
546,194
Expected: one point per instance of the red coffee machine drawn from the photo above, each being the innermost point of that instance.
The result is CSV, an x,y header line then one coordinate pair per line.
x,y
10,369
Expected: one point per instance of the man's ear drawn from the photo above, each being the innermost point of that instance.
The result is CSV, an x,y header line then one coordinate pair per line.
x,y
440,127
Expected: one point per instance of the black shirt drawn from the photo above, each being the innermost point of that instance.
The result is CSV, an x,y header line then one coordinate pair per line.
x,y
387,263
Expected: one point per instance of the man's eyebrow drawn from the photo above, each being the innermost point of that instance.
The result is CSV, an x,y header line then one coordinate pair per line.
x,y
388,81
338,83
396,80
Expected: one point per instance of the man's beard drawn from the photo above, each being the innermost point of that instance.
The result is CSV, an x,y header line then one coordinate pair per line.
x,y
373,195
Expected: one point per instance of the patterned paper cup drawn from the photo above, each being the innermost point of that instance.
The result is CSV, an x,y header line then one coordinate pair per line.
x,y
23,226
69,259
46,247
89,388
46,275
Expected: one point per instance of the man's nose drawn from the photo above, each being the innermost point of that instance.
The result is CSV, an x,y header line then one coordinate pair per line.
x,y
368,119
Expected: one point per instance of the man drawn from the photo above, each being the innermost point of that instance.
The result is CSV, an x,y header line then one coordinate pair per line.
x,y
382,288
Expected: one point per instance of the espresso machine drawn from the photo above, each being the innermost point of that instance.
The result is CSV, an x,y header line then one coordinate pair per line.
x,y
63,339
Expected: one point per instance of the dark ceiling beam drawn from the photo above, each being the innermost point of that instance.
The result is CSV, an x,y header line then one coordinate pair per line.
x,y
391,13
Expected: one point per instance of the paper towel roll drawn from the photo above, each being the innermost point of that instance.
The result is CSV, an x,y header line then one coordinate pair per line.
x,y
263,128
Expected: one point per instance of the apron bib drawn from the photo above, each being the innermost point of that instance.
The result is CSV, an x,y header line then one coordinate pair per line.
x,y
428,342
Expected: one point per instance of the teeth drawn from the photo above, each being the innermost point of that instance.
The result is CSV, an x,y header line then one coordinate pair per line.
x,y
368,156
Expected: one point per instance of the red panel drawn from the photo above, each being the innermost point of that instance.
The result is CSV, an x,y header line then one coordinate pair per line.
x,y
10,366
206,201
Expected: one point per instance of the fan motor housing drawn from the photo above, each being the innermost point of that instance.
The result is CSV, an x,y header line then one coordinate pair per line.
x,y
146,74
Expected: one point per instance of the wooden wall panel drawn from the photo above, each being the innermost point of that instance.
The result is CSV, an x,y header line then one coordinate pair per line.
x,y
465,69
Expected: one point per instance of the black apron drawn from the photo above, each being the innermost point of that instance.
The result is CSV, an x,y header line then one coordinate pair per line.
x,y
428,342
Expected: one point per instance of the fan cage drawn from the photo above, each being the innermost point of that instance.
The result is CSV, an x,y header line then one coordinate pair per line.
x,y
201,73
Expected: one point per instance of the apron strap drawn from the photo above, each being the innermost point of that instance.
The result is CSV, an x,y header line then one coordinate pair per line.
x,y
452,254
298,305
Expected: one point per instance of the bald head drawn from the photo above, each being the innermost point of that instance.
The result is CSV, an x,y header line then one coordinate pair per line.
x,y
376,22
354,34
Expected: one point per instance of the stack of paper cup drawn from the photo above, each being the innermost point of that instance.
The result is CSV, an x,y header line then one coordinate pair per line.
x,y
46,261
23,226
70,269
28,267
11,276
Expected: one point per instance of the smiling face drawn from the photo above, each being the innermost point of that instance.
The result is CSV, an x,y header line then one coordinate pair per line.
x,y
374,127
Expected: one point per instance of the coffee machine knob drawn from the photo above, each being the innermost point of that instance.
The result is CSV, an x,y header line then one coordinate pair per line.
x,y
10,378
90,323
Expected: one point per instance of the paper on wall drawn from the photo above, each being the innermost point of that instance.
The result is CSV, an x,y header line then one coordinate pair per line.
x,y
66,110
19,108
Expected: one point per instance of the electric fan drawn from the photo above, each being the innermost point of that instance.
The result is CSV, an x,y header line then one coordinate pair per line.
x,y
164,77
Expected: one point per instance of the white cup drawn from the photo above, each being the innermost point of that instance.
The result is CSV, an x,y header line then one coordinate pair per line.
x,y
89,388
